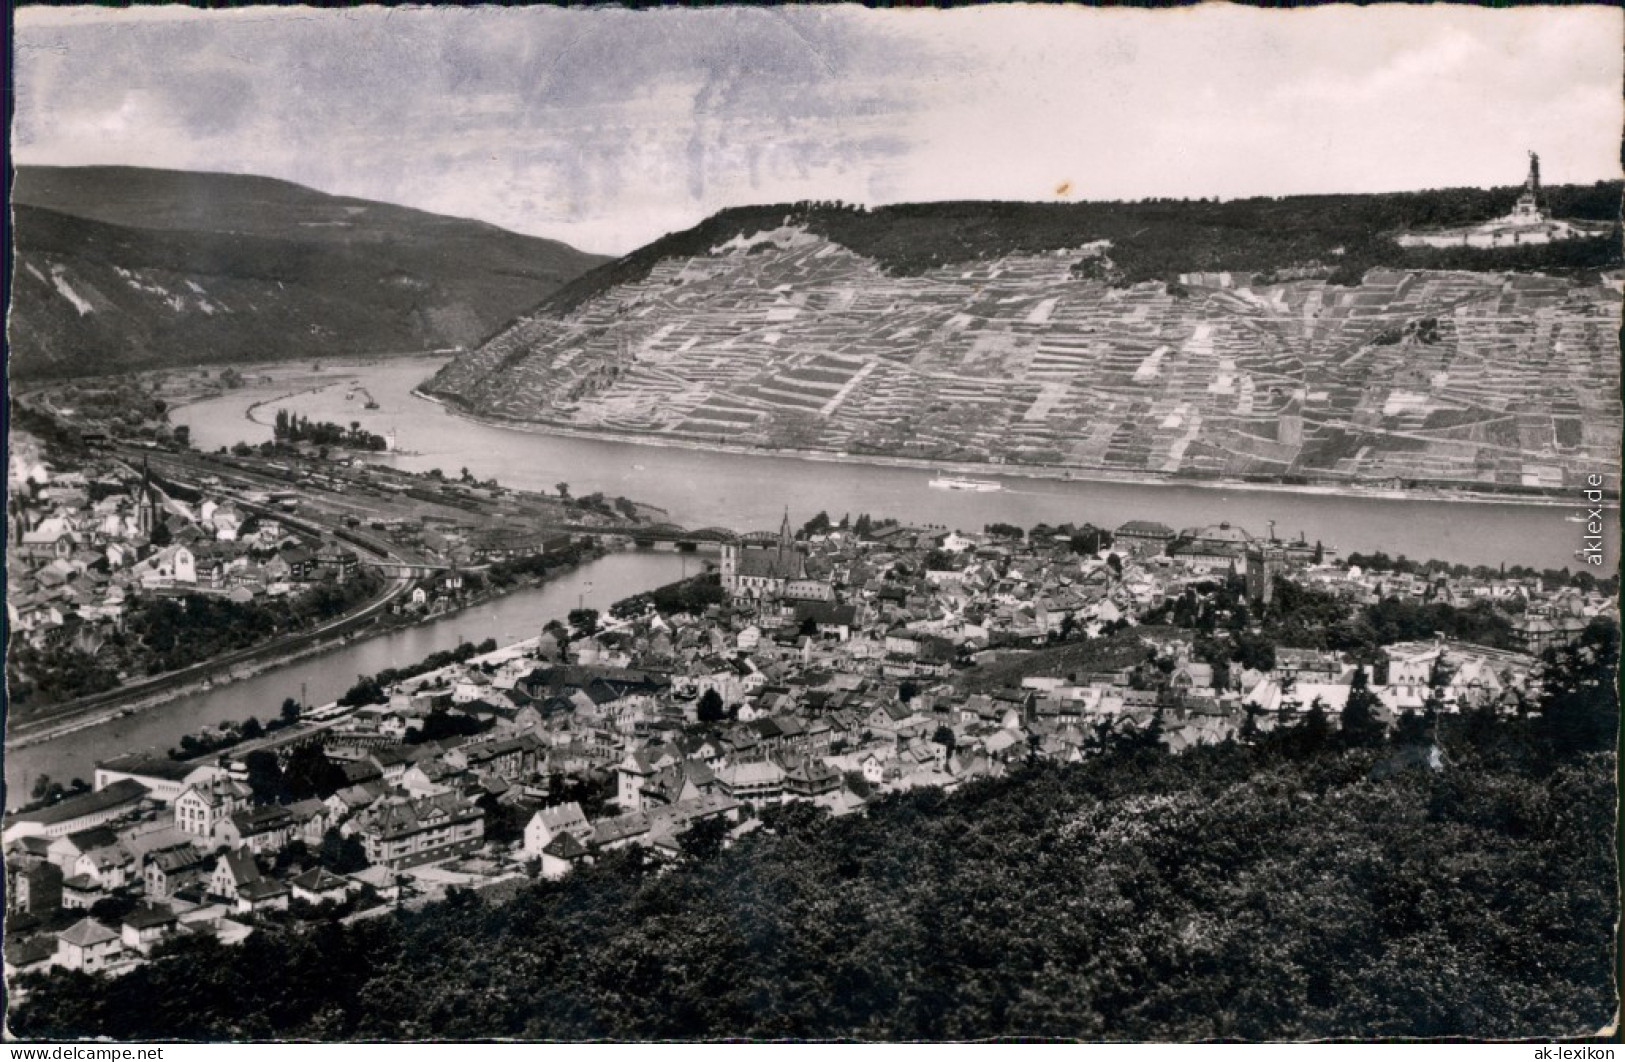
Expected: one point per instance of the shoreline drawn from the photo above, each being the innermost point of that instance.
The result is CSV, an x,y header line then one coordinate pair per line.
x,y
244,670
248,413
1028,472
159,698
273,367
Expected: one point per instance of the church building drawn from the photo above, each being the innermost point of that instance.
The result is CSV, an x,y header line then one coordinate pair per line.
x,y
763,567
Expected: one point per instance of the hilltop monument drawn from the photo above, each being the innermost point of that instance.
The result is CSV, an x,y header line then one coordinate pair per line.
x,y
1527,209
1528,223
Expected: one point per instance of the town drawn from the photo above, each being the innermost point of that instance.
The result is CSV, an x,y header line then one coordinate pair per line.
x,y
813,524
136,567
825,664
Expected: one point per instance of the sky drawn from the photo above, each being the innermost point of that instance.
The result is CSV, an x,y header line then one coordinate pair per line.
x,y
606,128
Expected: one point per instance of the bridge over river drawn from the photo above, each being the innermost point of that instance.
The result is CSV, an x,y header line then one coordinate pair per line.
x,y
683,540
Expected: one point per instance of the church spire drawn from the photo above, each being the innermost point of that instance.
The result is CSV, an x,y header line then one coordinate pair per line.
x,y
786,538
143,504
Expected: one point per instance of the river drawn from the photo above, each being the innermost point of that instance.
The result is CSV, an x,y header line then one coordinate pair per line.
x,y
746,492
739,491
597,584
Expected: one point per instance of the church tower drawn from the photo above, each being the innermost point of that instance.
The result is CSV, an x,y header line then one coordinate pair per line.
x,y
143,502
787,538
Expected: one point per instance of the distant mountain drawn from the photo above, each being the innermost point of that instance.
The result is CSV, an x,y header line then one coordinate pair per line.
x,y
1278,340
123,268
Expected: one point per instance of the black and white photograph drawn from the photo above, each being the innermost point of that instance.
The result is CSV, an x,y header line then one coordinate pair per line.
x,y
826,523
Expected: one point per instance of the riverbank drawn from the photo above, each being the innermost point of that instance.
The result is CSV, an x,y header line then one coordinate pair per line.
x,y
67,720
287,369
102,715
751,489
1055,473
248,414
323,677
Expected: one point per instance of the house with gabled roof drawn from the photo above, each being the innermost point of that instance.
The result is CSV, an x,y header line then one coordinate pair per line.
x,y
202,807
678,782
232,871
360,772
320,885
549,823
146,926
268,828
563,854
168,870
430,778
708,750
355,798
109,866
504,758
311,820
636,768
827,618
392,761
65,851
892,720
88,945
265,894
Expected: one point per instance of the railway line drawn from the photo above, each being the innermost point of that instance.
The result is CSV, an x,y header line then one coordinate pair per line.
x,y
24,727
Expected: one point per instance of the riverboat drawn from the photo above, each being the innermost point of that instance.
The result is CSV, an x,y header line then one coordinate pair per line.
x,y
979,486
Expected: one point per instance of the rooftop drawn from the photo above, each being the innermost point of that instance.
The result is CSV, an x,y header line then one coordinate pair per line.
x,y
87,933
124,791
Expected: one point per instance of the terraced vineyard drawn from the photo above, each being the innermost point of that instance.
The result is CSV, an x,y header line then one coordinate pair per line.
x,y
784,338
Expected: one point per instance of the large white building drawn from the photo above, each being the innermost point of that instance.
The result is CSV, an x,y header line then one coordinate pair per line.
x,y
203,807
164,778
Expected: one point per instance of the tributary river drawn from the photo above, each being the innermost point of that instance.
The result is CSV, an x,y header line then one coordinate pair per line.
x,y
320,679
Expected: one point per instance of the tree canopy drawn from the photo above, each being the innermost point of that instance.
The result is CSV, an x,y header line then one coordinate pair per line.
x,y
1297,886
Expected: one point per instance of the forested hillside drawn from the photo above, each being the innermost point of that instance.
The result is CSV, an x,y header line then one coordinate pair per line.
x,y
1314,883
1151,239
121,268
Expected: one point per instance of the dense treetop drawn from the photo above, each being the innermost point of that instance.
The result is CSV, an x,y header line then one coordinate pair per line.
x,y
1157,238
1310,883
